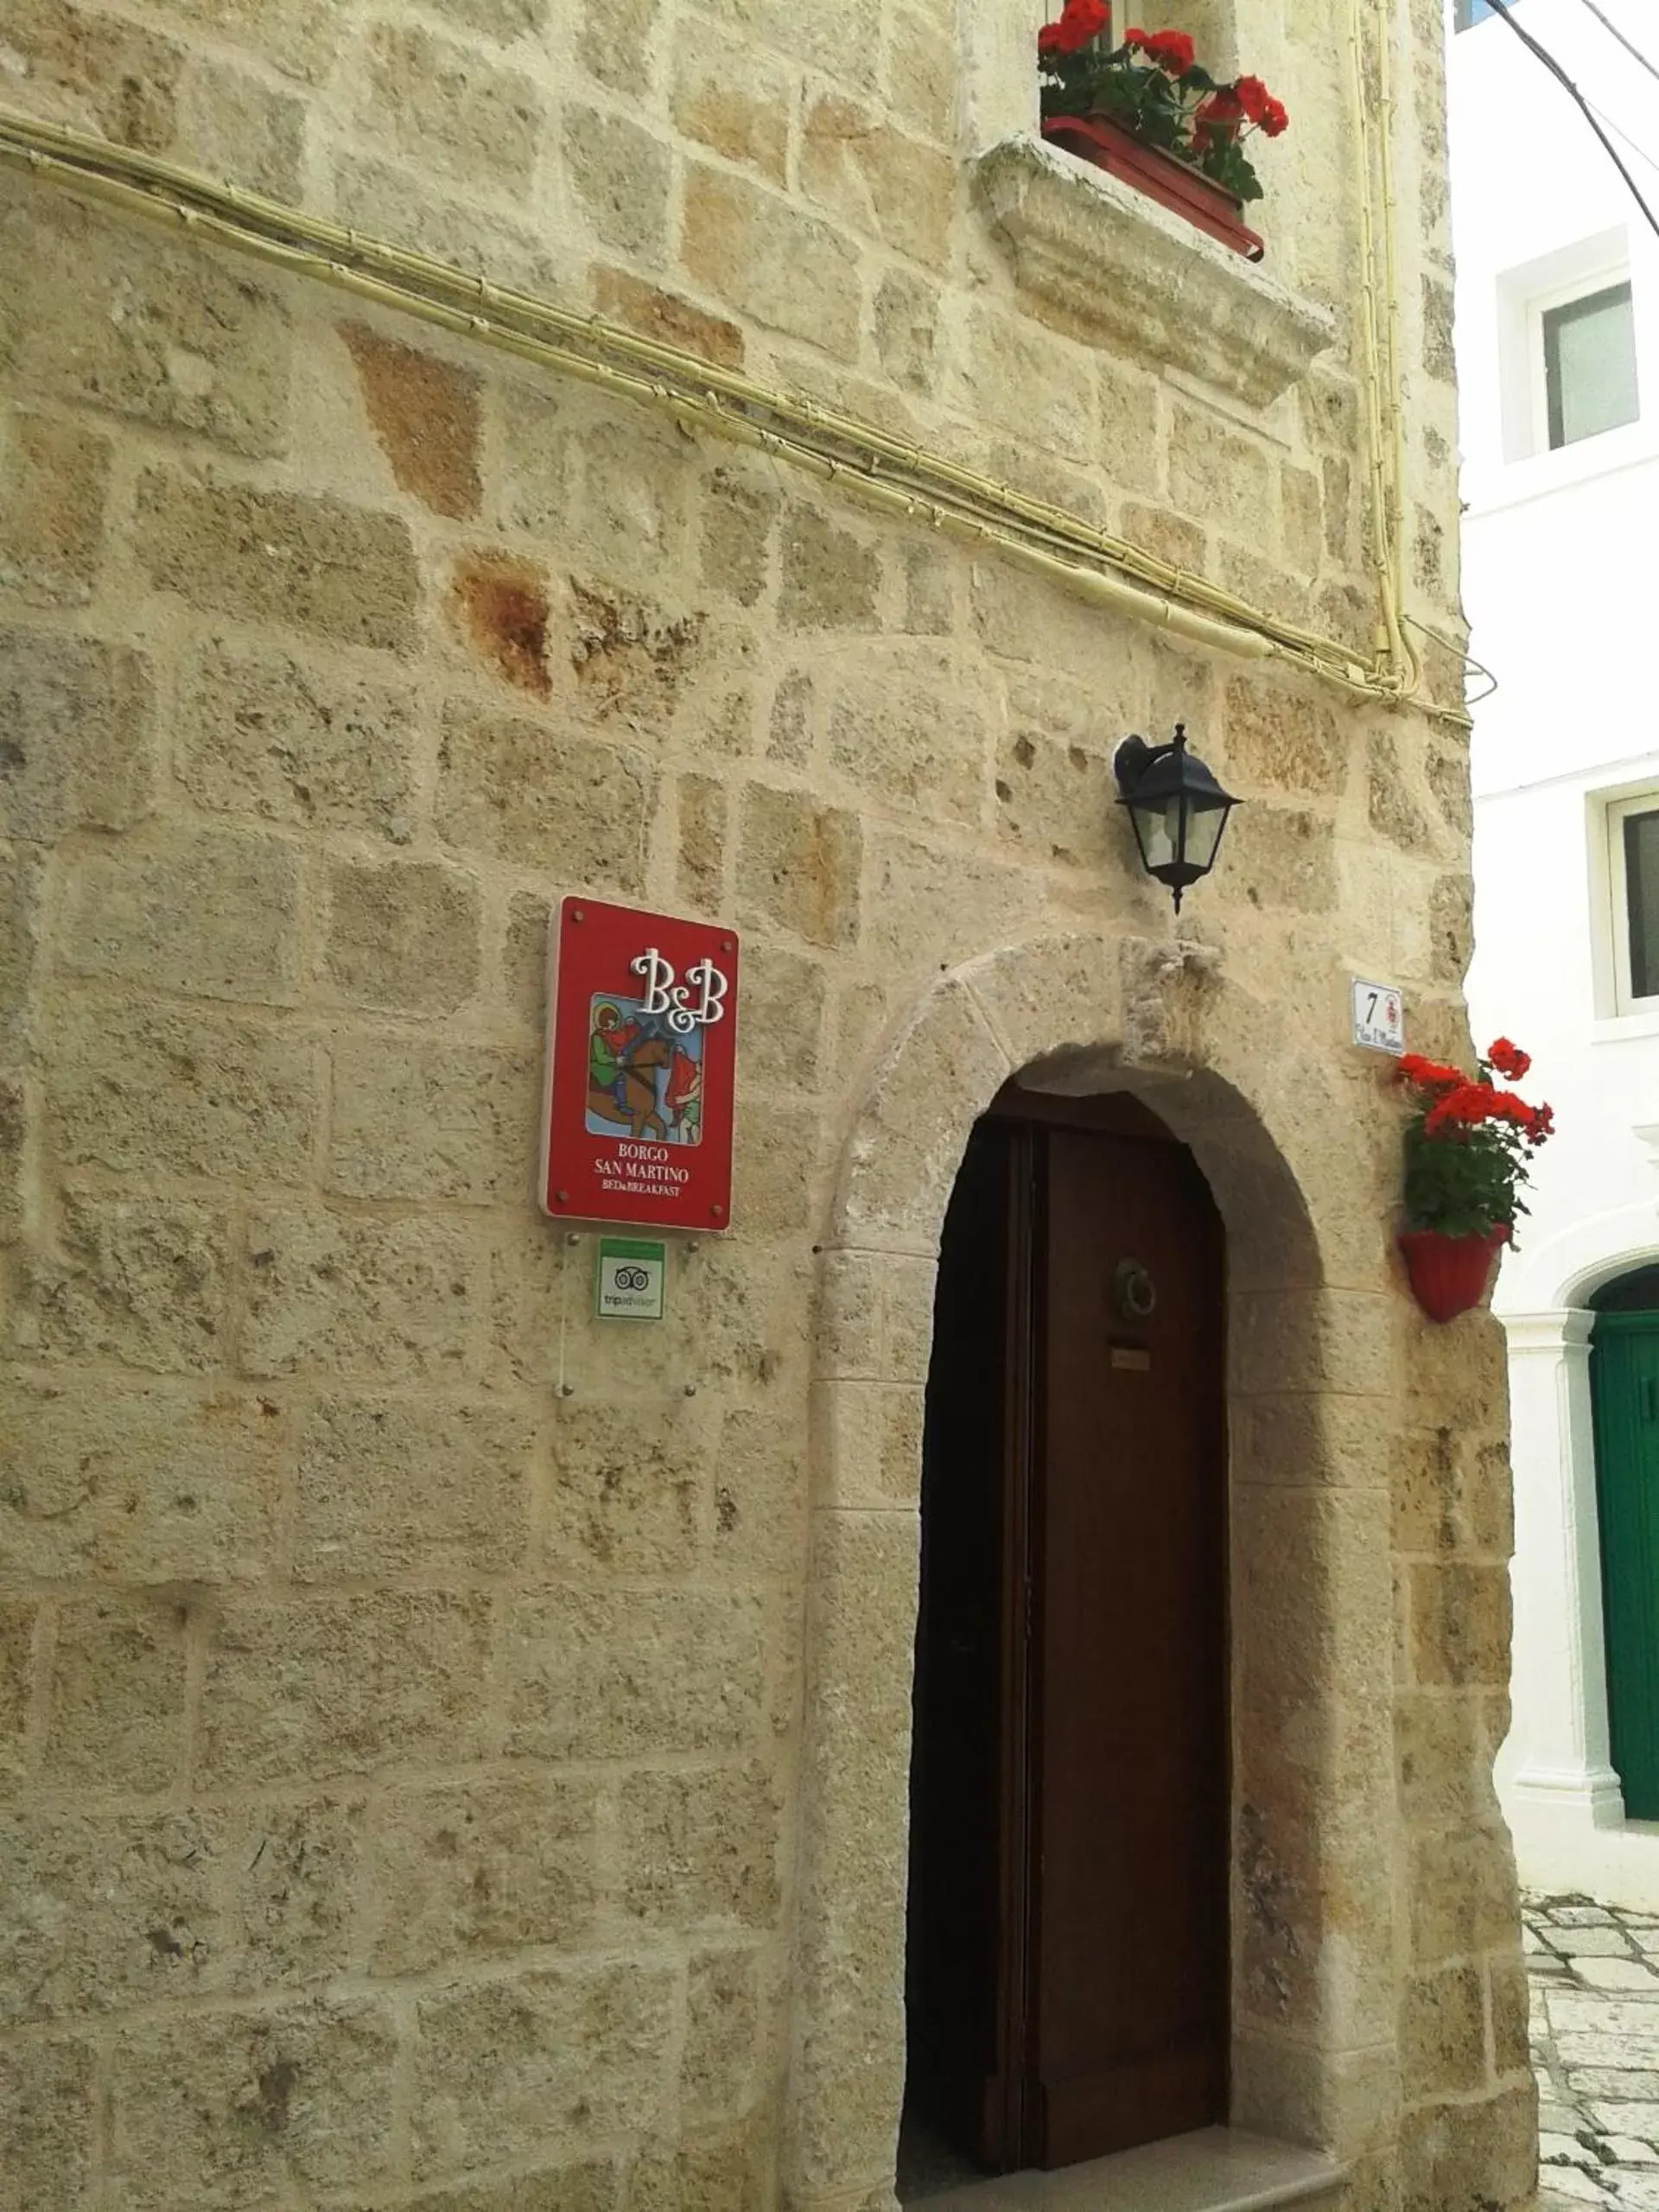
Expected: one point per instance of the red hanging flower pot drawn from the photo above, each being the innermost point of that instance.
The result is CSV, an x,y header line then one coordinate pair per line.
x,y
1449,1274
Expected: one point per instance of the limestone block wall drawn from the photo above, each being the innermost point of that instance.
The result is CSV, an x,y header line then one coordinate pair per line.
x,y
415,1699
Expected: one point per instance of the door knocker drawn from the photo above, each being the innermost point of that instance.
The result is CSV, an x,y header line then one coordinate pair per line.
x,y
1134,1291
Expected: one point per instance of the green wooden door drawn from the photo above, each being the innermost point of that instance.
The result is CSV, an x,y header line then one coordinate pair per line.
x,y
1624,1377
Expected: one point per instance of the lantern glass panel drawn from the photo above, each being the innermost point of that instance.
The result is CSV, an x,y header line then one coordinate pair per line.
x,y
1161,832
1204,834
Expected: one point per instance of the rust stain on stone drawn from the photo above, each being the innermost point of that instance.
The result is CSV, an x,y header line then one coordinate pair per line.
x,y
504,611
425,414
622,646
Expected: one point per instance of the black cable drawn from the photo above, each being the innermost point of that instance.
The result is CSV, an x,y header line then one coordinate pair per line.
x,y
1608,25
1502,7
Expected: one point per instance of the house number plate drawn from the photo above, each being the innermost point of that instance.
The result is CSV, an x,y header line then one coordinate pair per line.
x,y
1379,1018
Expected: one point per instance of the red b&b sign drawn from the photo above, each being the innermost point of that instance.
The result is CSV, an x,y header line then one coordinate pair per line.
x,y
642,1050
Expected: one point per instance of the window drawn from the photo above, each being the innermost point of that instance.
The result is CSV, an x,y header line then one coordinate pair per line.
x,y
1471,12
1590,366
1633,857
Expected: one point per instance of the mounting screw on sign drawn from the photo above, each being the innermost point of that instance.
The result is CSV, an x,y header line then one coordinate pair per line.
x,y
1379,1018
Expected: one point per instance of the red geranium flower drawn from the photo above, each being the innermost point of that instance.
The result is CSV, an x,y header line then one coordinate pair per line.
x,y
1430,1075
1080,20
1276,119
1509,1059
1252,96
1171,50
1220,113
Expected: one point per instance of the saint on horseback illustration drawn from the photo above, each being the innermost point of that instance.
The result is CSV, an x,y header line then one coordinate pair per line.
x,y
642,1077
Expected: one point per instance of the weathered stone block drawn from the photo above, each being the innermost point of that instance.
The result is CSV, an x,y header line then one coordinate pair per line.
x,y
108,1912
906,330
901,728
166,333
629,1482
14,1120
442,105
300,37
875,180
418,1120
336,1686
547,2062
1459,1625
395,1485
799,865
590,2186
589,1674
1217,475
52,488
613,40
156,1088
1468,2156
303,563
425,412
764,258
722,2032
139,1481
343,1296
86,67
18,1624
458,1875
289,1876
403,937
524,959
19,926
620,176
1280,741
396,202
759,1487
724,2173
231,2108
1056,801
700,863
1444,1761
1462,1892
663,316
117,1719
733,100
46,2123
574,808
143,1280
231,125
1442,2032
213,912
295,741
75,734
504,20
700,1848
1284,859
832,576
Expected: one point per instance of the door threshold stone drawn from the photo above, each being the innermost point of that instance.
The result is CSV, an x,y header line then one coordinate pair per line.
x,y
1217,2170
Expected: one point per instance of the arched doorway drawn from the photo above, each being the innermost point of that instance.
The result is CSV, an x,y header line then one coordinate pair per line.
x,y
1624,1395
1067,1975
1312,1400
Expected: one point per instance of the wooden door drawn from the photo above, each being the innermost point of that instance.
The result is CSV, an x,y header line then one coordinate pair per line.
x,y
1624,1377
1068,1957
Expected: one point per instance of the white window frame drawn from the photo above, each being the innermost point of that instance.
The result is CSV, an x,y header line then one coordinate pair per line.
x,y
1615,815
1542,303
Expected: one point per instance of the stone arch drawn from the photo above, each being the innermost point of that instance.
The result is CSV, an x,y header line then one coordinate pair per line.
x,y
1310,1308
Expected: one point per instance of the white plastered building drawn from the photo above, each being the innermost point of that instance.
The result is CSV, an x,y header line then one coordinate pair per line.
x,y
1558,343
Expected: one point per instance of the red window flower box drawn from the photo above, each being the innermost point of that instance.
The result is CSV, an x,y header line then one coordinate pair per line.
x,y
1173,184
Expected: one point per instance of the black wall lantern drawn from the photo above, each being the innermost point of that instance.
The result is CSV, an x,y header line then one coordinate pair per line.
x,y
1178,808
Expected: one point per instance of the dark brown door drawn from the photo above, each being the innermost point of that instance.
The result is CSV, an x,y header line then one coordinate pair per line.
x,y
1068,1964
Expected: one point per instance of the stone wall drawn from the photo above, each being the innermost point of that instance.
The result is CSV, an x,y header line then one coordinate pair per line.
x,y
413,1722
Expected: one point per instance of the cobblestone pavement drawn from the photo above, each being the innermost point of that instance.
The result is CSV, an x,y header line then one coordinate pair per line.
x,y
1595,2049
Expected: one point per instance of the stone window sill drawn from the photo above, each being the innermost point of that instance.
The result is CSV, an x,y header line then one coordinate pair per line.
x,y
1128,275
1218,2169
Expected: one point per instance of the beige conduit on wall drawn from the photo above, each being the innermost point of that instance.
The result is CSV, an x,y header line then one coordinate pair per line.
x,y
901,478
